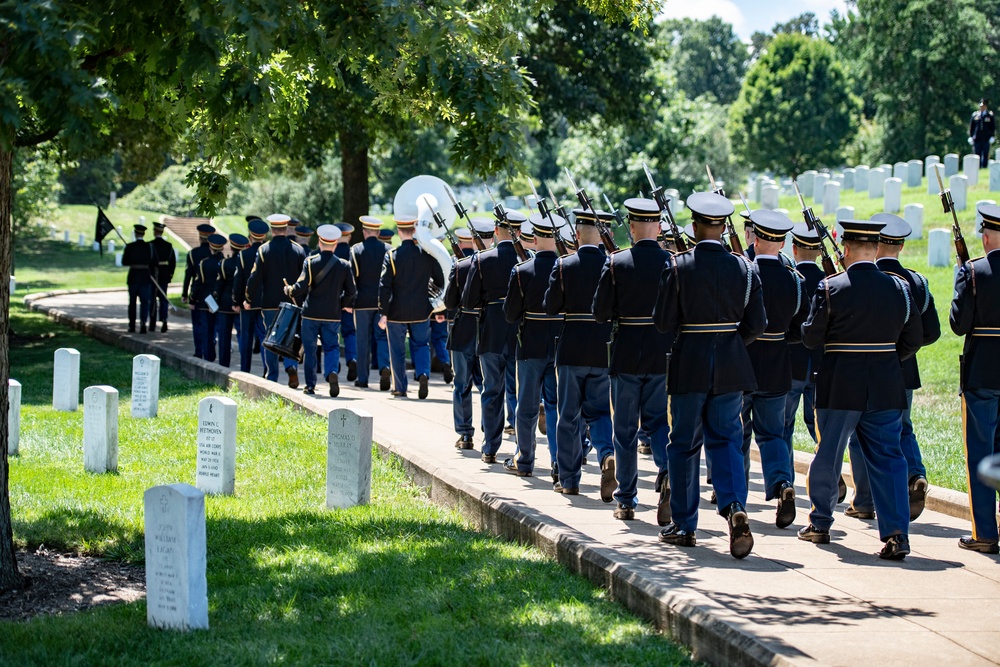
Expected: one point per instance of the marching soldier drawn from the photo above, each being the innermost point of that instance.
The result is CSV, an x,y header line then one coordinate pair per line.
x,y
327,285
166,264
764,409
194,257
303,236
890,244
866,322
712,300
581,361
485,291
367,259
347,328
204,285
278,262
223,295
405,306
251,326
140,258
462,337
975,314
625,296
536,335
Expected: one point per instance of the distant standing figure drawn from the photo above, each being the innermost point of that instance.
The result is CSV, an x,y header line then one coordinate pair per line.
x,y
981,130
166,265
140,258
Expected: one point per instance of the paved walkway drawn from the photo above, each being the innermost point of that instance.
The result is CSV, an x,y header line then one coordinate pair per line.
x,y
790,602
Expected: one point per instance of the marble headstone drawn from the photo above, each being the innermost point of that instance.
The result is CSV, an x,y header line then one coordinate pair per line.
x,y
914,172
876,183
831,197
970,167
939,247
994,176
914,214
818,184
217,445
176,558
861,178
758,183
81,240
145,385
348,458
899,171
673,200
13,416
96,247
959,185
769,197
806,181
848,183
100,429
931,172
13,285
843,213
950,164
66,236
66,380
118,258
893,195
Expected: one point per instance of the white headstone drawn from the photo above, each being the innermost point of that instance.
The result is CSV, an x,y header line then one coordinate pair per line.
x,y
970,167
112,199
13,285
848,183
959,185
81,240
831,197
933,167
914,172
950,164
100,429
111,246
893,195
806,181
939,247
899,171
66,380
914,214
843,213
979,218
176,583
673,200
837,178
769,197
118,258
96,247
861,178
13,416
217,445
145,385
348,458
66,236
876,183
928,161
758,183
994,176
887,168
818,184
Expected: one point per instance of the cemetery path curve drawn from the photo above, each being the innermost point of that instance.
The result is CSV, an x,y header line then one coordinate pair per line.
x,y
788,603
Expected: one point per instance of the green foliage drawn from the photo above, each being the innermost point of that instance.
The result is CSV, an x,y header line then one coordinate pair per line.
x,y
796,110
89,180
708,57
315,197
166,193
36,191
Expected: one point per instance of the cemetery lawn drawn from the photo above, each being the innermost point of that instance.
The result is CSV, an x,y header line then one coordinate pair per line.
x,y
400,581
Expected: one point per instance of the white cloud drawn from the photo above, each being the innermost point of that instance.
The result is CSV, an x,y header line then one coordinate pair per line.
x,y
705,9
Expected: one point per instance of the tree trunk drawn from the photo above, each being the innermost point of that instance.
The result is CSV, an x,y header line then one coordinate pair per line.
x,y
354,172
9,576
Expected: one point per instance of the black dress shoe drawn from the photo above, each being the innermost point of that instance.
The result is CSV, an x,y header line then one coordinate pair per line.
x,y
422,392
352,370
309,391
896,547
740,538
334,384
509,430
608,483
982,546
397,394
293,378
624,513
542,427
918,496
142,329
813,534
488,458
673,534
360,384
449,374
510,465
163,328
644,448
865,515
841,490
663,513
786,506
131,328
555,473
566,490
384,378
464,442
713,498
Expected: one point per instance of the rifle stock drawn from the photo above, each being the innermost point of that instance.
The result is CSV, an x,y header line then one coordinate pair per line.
x,y
814,223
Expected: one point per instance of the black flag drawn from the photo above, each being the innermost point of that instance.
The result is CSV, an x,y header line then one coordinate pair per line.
x,y
103,228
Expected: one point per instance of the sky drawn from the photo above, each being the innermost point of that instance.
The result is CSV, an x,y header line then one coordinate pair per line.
x,y
748,16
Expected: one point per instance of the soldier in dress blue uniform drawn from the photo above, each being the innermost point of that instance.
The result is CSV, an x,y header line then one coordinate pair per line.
x,y
405,306
278,262
140,258
764,409
327,287
303,236
975,314
203,285
194,257
347,327
581,361
982,127
367,259
866,322
712,300
251,319
462,337
890,244
625,296
223,295
166,264
536,334
485,290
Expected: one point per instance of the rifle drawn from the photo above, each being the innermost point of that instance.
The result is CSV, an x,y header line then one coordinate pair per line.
x,y
619,219
606,238
464,214
501,215
561,210
452,241
961,249
661,200
736,246
543,210
813,223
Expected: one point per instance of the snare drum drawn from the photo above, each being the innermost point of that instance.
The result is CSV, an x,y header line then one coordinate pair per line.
x,y
283,335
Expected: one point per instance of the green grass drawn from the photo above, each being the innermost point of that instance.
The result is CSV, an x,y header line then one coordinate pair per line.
x,y
399,581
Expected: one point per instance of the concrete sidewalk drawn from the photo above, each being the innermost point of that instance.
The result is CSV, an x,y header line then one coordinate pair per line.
x,y
790,602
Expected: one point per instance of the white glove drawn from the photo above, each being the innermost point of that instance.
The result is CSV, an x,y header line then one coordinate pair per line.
x,y
970,141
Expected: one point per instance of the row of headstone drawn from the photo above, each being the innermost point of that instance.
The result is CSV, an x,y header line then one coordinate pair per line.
x,y
145,382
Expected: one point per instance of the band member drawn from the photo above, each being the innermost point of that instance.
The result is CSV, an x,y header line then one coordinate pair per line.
x,y
712,300
194,257
367,259
975,314
140,258
166,264
223,295
890,244
251,327
536,335
278,262
303,236
639,354
327,287
347,328
485,291
581,361
204,285
405,306
866,322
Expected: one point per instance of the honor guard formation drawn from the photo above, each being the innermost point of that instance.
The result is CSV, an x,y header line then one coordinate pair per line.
x,y
686,341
